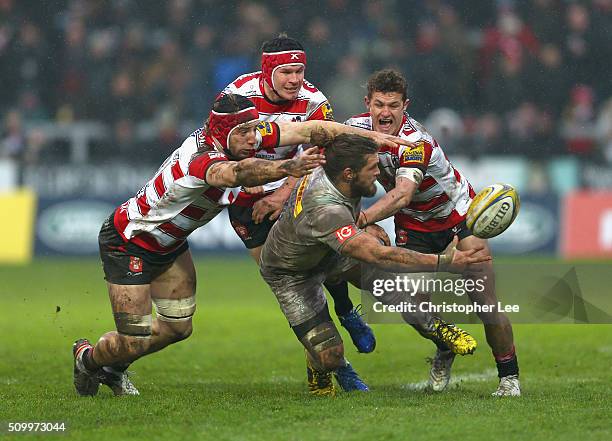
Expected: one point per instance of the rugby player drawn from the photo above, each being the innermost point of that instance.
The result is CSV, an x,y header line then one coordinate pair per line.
x,y
143,244
429,199
280,93
316,239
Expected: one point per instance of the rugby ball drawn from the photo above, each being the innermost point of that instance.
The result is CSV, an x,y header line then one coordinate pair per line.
x,y
493,210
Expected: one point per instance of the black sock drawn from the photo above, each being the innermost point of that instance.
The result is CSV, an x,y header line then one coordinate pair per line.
x,y
507,364
88,361
342,301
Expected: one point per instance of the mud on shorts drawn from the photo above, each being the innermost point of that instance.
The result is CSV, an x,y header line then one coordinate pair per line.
x,y
434,242
300,295
128,264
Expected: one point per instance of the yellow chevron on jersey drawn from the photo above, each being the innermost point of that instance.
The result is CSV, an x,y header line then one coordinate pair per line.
x,y
297,208
264,128
328,113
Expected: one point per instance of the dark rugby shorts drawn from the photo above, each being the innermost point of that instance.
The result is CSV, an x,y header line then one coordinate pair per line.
x,y
127,264
251,234
426,242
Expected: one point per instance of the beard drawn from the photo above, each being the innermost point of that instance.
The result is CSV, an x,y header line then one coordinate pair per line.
x,y
362,189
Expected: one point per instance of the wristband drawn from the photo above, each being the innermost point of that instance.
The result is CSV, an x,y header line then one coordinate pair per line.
x,y
444,260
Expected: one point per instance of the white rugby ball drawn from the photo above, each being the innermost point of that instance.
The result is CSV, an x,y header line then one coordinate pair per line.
x,y
493,210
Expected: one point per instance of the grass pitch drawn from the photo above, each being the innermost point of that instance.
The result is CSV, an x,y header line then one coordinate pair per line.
x,y
241,376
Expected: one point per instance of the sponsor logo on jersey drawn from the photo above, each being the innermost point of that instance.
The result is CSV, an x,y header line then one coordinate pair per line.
x,y
216,155
414,154
265,128
328,113
297,209
346,232
135,265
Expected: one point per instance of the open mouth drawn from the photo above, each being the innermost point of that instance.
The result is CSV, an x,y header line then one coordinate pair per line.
x,y
385,123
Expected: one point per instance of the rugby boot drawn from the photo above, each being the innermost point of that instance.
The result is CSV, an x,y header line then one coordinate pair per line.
x,y
349,380
117,380
509,386
361,334
455,338
86,382
440,372
319,383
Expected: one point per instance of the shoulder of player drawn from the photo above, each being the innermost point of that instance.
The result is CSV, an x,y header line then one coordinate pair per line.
x,y
201,159
243,83
413,130
311,93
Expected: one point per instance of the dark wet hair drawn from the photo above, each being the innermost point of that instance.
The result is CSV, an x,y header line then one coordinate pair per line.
x,y
343,151
386,81
281,43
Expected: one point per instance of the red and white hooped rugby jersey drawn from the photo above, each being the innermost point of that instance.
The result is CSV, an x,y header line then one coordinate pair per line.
x,y
177,200
442,199
310,105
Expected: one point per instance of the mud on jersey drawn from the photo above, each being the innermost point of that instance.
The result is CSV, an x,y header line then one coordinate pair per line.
x,y
443,197
177,200
316,221
310,105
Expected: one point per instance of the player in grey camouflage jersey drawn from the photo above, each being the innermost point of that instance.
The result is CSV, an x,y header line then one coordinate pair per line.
x,y
316,239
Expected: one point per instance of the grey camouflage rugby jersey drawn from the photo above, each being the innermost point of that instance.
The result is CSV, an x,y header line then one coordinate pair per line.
x,y
316,221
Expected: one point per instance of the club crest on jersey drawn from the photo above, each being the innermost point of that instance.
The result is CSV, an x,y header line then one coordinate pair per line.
x,y
241,230
135,265
414,154
346,232
264,128
328,113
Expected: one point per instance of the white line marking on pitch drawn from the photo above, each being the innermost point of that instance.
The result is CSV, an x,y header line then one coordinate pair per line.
x,y
475,378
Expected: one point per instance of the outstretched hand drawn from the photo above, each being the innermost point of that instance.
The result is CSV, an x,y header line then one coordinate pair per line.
x,y
456,261
305,163
383,139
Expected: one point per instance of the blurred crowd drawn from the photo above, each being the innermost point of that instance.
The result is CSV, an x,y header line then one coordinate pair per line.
x,y
527,77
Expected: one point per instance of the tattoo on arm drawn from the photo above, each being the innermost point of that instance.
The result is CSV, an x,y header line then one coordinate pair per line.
x,y
251,172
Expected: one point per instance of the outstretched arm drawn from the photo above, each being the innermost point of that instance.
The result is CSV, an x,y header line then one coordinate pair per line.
x,y
389,204
368,249
252,171
300,133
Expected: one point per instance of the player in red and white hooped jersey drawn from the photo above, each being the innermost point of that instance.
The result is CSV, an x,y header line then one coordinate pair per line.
x,y
281,93
143,245
429,199
443,196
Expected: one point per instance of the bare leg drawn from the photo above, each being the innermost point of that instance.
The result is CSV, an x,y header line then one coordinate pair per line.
x,y
133,303
497,326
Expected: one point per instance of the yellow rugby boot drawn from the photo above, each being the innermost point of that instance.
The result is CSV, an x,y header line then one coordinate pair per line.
x,y
319,383
457,340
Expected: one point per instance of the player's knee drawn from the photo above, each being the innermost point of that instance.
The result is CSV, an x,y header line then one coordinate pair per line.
x,y
178,331
325,344
176,315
